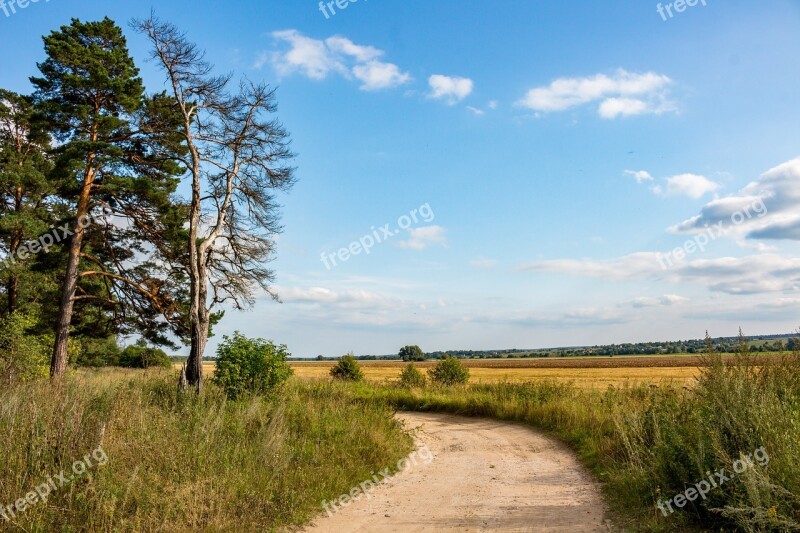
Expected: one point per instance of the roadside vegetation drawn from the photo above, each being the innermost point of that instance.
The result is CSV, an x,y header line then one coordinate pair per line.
x,y
256,464
647,444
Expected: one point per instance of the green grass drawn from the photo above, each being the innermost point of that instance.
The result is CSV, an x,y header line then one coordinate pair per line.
x,y
186,463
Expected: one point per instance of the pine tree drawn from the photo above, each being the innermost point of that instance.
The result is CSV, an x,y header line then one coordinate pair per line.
x,y
118,185
26,194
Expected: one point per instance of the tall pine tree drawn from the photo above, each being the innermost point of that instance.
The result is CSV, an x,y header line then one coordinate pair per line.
x,y
93,100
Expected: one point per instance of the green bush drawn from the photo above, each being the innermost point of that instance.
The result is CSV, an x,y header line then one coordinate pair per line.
x,y
347,369
411,377
412,353
448,372
250,366
23,356
143,356
98,353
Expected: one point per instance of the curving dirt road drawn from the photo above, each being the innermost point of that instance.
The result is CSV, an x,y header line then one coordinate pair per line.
x,y
481,475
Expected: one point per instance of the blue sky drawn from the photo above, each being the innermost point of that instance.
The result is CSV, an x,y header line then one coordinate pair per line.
x,y
558,147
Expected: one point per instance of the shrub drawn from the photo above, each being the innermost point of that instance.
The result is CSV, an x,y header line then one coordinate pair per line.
x,y
347,369
412,353
142,356
99,352
23,356
449,371
254,366
411,377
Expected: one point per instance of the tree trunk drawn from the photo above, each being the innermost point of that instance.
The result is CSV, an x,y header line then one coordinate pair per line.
x,y
199,328
58,363
12,291
12,286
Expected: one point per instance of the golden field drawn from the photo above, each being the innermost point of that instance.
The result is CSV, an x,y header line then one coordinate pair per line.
x,y
596,372
583,372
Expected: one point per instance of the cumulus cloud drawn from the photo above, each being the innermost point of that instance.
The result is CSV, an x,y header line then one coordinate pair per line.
x,y
692,185
622,94
451,89
768,208
640,175
377,75
317,59
422,238
622,107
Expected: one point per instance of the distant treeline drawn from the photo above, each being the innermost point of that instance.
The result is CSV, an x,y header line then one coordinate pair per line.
x,y
761,343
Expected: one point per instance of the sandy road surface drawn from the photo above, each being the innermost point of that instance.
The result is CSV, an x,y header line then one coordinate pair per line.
x,y
485,476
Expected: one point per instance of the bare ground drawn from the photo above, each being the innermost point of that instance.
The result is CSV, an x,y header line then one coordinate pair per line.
x,y
484,476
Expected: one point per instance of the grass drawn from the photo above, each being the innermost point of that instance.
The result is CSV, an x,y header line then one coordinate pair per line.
x,y
185,463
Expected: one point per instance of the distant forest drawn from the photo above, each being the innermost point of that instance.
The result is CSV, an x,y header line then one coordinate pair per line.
x,y
761,343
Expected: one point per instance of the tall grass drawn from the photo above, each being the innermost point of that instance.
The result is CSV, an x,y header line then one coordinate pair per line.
x,y
185,463
647,444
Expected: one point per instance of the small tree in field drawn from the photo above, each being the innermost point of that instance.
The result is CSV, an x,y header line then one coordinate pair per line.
x,y
254,366
412,353
347,369
411,377
449,371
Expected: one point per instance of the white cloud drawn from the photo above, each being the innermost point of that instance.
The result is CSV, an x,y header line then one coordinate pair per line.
x,y
640,175
633,265
588,316
479,112
306,55
753,274
623,94
317,59
377,75
691,185
345,46
616,107
661,301
768,208
451,89
492,104
346,299
422,238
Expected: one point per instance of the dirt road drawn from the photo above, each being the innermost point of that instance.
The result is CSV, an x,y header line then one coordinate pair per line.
x,y
484,475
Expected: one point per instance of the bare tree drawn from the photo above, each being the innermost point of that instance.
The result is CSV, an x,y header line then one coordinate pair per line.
x,y
238,158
